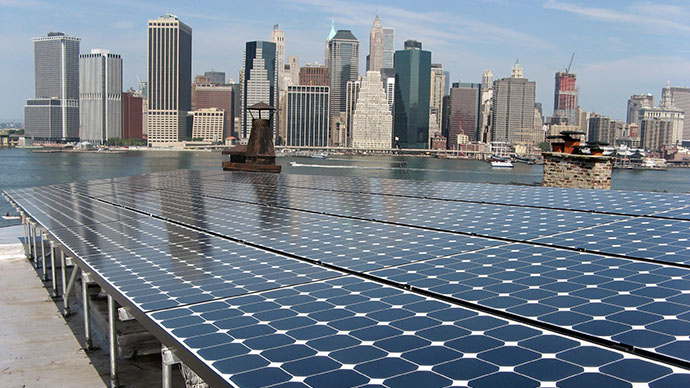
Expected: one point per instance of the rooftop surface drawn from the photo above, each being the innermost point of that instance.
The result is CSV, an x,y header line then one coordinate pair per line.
x,y
261,279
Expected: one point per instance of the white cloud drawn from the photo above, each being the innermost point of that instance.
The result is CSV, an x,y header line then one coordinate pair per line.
x,y
645,14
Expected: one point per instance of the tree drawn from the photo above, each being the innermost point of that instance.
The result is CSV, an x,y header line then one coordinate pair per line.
x,y
545,146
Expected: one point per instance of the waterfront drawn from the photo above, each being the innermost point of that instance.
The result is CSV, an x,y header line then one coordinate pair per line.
x,y
24,168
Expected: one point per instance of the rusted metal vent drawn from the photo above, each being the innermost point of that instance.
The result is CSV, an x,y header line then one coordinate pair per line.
x,y
258,154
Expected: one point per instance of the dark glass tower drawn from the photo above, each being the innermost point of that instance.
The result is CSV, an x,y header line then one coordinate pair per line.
x,y
412,88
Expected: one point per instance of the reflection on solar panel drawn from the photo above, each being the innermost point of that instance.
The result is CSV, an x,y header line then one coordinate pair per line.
x,y
264,280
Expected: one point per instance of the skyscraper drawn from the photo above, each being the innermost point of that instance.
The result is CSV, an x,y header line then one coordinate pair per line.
x,y
343,66
680,98
465,101
100,96
375,57
513,103
259,83
331,34
307,116
278,37
388,47
412,82
565,97
54,112
314,74
372,123
436,92
211,95
635,103
486,106
170,79
132,115
215,77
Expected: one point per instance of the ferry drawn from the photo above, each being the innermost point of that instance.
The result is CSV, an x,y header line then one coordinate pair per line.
x,y
501,163
320,155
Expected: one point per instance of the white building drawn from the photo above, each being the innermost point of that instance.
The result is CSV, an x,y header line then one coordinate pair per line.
x,y
209,124
667,112
100,96
372,126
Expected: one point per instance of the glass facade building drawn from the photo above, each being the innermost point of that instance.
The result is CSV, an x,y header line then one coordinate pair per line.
x,y
412,96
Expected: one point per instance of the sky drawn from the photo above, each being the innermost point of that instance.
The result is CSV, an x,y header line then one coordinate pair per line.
x,y
621,47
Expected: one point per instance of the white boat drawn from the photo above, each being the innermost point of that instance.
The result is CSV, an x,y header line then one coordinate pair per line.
x,y
320,155
502,164
9,217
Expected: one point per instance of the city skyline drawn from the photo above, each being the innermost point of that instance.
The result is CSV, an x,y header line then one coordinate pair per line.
x,y
613,59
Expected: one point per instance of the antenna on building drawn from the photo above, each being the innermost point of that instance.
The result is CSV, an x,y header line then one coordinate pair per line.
x,y
567,69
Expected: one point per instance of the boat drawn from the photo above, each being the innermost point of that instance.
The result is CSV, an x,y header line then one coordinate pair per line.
x,y
501,163
320,155
7,216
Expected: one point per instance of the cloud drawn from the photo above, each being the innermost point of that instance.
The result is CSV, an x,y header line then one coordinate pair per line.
x,y
433,28
640,15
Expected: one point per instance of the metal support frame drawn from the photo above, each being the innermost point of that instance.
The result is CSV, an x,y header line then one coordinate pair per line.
x,y
87,320
53,250
114,381
43,255
168,360
68,290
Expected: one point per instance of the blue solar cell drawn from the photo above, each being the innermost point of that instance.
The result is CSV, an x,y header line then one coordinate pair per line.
x,y
636,370
549,369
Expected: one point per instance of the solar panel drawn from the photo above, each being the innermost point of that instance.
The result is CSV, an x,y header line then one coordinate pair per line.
x,y
353,332
637,304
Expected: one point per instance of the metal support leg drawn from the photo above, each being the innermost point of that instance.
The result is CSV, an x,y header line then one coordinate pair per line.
x,y
27,240
35,248
43,255
87,320
63,273
52,269
70,285
168,360
114,381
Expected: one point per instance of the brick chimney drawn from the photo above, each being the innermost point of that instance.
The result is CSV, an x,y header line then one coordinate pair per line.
x,y
575,166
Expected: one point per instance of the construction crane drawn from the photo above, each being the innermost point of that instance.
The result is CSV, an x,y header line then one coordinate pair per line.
x,y
567,69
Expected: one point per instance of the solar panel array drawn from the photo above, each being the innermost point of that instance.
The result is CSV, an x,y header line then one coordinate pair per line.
x,y
277,280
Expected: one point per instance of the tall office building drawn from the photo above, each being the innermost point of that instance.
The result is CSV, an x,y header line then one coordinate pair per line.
x,y
54,112
565,97
412,82
375,57
314,74
655,133
600,130
215,77
100,96
665,111
388,47
331,35
372,123
343,66
436,92
343,136
635,103
278,37
680,98
307,116
211,95
486,106
465,102
170,79
132,115
513,107
259,83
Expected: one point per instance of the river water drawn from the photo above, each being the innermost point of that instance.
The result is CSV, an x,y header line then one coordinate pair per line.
x,y
22,168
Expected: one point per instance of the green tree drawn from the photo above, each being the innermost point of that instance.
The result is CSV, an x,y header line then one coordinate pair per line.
x,y
545,146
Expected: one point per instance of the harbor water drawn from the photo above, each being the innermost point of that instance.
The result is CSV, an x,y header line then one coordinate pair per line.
x,y
24,168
